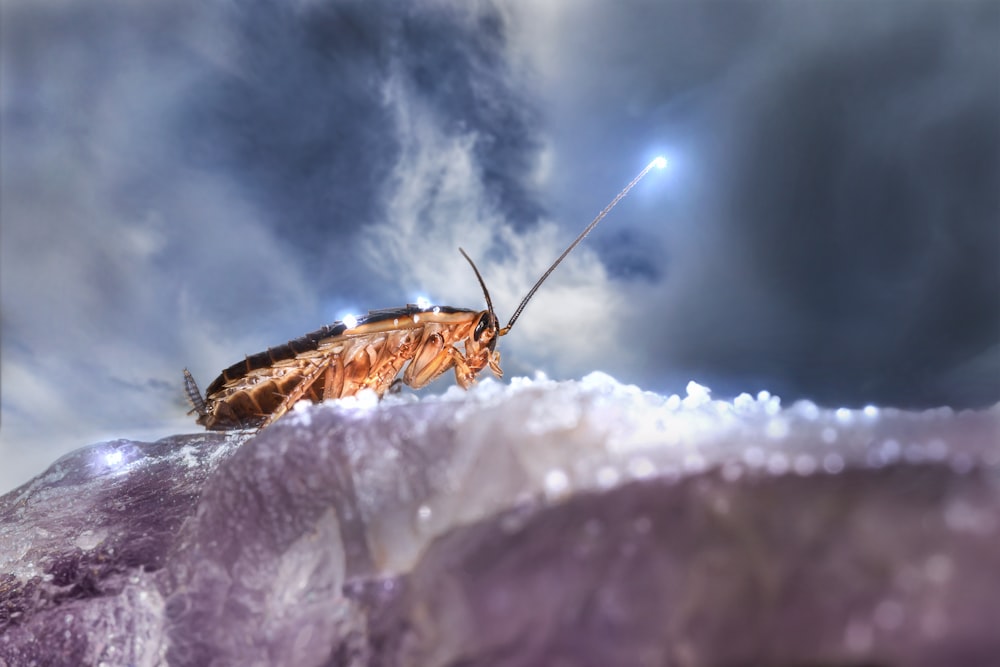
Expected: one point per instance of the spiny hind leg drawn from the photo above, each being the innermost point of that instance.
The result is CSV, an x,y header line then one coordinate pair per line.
x,y
297,393
194,395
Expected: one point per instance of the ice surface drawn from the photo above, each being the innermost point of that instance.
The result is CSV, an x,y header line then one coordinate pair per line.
x,y
577,523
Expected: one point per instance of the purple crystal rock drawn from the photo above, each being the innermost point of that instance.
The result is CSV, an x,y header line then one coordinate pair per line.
x,y
538,523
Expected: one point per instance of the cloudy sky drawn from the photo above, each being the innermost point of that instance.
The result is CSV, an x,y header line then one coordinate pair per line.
x,y
183,182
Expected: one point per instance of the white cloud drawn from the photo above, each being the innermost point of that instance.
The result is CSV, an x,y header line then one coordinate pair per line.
x,y
437,203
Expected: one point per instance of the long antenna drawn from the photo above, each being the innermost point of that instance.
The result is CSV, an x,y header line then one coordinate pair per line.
x,y
482,283
659,163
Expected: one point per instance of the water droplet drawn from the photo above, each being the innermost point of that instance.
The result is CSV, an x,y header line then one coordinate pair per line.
x,y
556,483
743,403
804,465
777,428
732,471
889,451
694,462
888,615
777,464
641,468
858,637
607,477
939,568
833,463
937,449
753,456
807,409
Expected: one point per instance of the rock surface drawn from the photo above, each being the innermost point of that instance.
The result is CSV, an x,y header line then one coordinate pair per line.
x,y
537,523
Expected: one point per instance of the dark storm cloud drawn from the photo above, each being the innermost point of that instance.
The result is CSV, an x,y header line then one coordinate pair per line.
x,y
834,225
875,219
299,116
295,116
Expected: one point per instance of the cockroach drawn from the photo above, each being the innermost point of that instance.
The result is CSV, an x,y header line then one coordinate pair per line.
x,y
367,352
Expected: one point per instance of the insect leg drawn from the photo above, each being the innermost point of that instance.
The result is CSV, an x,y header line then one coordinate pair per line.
x,y
194,394
463,371
298,392
333,379
431,359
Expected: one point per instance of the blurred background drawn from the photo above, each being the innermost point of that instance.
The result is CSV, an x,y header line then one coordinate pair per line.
x,y
183,183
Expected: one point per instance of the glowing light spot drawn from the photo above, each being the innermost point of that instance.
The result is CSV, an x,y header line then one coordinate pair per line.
x,y
641,468
937,450
556,483
697,395
423,302
890,450
744,403
660,162
871,411
436,309
607,477
807,409
424,513
416,319
113,459
301,409
350,321
804,465
694,463
777,428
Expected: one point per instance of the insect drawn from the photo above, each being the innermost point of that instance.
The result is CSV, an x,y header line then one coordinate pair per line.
x,y
367,352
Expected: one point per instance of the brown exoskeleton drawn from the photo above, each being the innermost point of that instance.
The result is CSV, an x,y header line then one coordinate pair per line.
x,y
366,353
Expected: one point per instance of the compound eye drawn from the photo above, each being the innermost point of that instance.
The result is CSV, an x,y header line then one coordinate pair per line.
x,y
482,325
